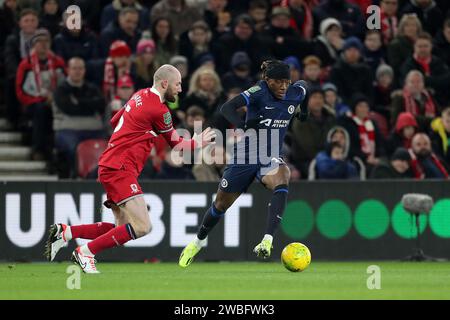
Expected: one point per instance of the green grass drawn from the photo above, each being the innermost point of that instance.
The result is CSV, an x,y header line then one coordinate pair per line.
x,y
322,280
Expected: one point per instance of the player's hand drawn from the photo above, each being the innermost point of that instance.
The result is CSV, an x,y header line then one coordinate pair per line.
x,y
206,137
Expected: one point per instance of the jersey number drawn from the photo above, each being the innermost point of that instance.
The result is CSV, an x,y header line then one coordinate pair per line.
x,y
121,120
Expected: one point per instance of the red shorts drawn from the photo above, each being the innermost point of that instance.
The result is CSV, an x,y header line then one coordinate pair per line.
x,y
120,185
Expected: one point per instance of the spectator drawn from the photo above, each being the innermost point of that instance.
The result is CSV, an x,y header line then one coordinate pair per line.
x,y
424,163
302,18
340,135
82,43
239,76
281,38
124,92
15,51
90,12
373,51
50,17
328,44
294,67
416,100
181,63
172,167
218,17
195,42
333,101
349,74
212,166
397,168
259,11
242,38
383,90
435,71
173,10
77,112
402,47
389,20
194,114
309,137
440,133
206,60
145,63
7,22
112,10
405,129
428,13
441,43
166,44
37,78
348,14
331,163
205,91
117,65
311,70
366,142
124,28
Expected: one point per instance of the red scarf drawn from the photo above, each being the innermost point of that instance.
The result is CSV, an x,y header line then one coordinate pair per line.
x,y
110,79
411,104
388,31
417,167
366,134
424,63
306,29
36,65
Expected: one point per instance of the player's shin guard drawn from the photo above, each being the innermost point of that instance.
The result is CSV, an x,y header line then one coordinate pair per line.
x,y
89,231
210,219
276,208
113,238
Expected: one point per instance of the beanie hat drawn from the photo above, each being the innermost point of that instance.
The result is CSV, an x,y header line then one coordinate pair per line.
x,y
329,86
356,99
119,48
240,58
125,81
401,154
146,46
384,69
352,42
327,24
293,62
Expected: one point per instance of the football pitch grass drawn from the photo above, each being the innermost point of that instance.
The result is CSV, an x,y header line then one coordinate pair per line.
x,y
227,280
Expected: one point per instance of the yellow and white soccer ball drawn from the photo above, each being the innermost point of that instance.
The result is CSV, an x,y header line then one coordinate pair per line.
x,y
296,257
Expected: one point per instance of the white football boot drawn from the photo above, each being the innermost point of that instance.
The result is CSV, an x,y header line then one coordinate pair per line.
x,y
86,263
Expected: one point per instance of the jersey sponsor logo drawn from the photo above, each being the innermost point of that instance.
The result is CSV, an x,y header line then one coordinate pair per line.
x,y
291,109
134,188
267,122
224,183
167,118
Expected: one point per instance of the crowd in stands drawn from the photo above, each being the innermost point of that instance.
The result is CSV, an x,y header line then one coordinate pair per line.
x,y
379,99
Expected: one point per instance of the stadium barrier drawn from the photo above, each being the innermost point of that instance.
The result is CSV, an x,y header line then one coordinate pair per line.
x,y
336,220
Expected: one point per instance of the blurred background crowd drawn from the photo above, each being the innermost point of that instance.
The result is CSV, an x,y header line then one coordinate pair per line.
x,y
379,100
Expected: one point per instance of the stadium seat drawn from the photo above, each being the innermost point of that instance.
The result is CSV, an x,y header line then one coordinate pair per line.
x,y
88,153
381,123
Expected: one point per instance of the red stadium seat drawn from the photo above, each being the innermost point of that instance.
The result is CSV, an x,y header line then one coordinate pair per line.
x,y
88,153
381,122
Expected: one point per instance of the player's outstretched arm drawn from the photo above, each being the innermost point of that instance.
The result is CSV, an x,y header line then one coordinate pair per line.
x,y
229,111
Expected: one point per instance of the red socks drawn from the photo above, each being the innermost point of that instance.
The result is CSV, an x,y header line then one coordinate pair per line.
x,y
90,231
113,238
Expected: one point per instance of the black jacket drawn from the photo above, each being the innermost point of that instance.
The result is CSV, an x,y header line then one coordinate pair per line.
x,y
68,45
385,171
113,32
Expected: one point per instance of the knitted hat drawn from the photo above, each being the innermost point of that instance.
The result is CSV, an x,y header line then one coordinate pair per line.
x,y
281,11
329,87
38,35
177,60
293,62
146,46
327,24
119,48
357,98
401,154
125,81
315,89
352,42
384,69
240,58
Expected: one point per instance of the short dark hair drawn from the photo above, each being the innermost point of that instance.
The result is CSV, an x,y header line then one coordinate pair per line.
x,y
425,36
28,11
258,4
194,111
332,145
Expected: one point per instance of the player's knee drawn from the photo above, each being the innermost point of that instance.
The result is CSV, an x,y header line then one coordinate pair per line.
x,y
142,229
221,205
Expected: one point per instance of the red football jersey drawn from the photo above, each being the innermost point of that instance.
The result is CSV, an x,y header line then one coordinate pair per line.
x,y
143,118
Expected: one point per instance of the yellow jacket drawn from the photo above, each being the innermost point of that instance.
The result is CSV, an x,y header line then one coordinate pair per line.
x,y
438,127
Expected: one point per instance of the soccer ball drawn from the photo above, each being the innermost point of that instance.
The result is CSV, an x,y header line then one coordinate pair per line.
x,y
296,257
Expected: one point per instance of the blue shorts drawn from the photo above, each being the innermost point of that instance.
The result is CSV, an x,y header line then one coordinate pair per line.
x,y
238,177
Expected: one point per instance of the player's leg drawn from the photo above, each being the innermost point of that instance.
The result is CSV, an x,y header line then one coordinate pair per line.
x,y
276,180
213,215
60,234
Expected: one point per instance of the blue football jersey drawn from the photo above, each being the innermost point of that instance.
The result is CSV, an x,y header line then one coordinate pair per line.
x,y
272,116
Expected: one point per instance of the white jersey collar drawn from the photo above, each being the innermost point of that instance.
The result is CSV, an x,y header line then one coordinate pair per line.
x,y
153,89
